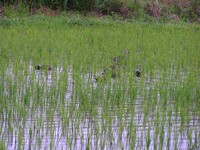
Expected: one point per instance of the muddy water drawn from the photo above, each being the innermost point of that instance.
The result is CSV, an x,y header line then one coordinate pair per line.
x,y
131,131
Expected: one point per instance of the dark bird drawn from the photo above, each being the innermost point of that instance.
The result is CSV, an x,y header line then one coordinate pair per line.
x,y
138,71
114,70
38,67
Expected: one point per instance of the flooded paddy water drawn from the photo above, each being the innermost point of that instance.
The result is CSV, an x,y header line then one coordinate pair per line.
x,y
50,99
67,123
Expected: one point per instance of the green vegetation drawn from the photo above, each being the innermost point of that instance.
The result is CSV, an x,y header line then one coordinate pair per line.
x,y
66,105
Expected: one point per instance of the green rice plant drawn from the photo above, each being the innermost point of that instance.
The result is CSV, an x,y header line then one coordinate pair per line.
x,y
3,145
132,133
39,141
148,139
161,136
169,138
78,49
30,133
20,140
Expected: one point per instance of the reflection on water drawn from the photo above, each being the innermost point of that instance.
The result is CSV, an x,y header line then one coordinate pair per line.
x,y
131,128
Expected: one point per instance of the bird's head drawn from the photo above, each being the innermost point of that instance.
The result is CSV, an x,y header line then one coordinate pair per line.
x,y
126,52
116,59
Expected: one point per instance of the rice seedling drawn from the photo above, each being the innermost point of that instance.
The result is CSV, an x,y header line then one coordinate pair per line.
x,y
3,145
153,93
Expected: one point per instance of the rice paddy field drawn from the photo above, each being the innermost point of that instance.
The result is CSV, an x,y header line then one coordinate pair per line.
x,y
49,98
